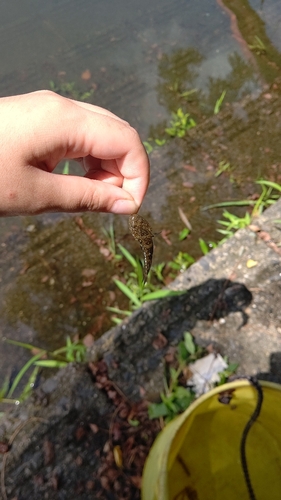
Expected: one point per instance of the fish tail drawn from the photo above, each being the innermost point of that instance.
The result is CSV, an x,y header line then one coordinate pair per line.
x,y
146,268
144,277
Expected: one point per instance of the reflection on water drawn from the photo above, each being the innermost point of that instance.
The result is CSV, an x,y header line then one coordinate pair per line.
x,y
53,289
143,63
178,78
120,48
269,12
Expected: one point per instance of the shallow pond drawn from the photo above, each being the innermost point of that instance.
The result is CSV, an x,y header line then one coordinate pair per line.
x,y
143,63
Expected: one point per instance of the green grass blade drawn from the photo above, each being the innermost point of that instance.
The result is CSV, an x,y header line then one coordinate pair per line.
x,y
4,388
224,232
9,402
238,203
28,388
20,344
116,310
117,321
66,168
61,350
271,184
219,103
24,369
128,256
139,273
126,290
203,246
189,343
51,363
160,294
69,353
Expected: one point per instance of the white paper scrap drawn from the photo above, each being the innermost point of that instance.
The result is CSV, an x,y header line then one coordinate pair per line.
x,y
206,372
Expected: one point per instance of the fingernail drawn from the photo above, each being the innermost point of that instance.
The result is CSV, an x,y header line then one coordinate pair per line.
x,y
124,207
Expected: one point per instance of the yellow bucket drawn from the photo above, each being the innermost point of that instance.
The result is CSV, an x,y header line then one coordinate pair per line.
x,y
197,455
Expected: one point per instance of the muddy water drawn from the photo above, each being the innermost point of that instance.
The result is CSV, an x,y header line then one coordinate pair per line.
x,y
56,273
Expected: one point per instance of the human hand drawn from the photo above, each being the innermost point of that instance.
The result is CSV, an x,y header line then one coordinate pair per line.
x,y
40,129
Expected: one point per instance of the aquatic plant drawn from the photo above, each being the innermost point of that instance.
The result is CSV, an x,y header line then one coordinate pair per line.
x,y
223,166
219,103
69,89
257,46
180,123
150,144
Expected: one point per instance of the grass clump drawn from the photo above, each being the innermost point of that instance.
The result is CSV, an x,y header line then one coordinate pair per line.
x,y
73,351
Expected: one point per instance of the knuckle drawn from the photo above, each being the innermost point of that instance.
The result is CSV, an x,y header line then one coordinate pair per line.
x,y
91,200
135,135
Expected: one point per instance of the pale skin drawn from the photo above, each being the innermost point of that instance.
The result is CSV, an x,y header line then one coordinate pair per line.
x,y
40,129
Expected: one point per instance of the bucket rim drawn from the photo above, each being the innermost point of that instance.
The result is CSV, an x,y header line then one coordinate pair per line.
x,y
235,384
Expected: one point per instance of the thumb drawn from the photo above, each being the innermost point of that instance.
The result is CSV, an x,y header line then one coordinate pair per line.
x,y
67,193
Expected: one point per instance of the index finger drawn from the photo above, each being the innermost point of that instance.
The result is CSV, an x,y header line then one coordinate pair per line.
x,y
107,138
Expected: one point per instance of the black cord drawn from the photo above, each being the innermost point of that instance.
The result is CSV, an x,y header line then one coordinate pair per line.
x,y
245,433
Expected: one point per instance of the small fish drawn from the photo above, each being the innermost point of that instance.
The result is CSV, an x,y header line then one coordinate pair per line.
x,y
142,232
